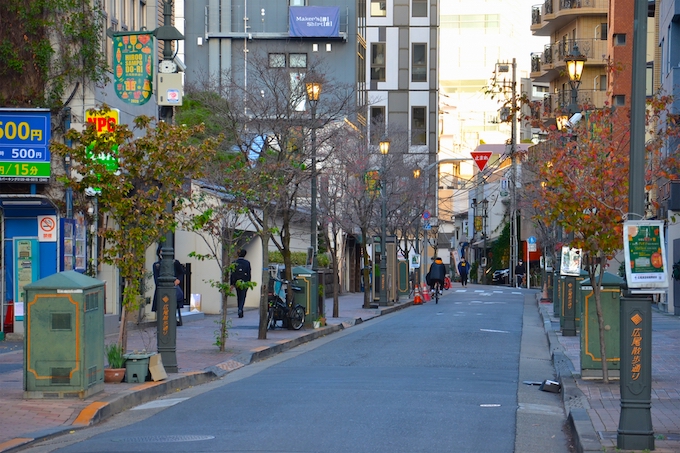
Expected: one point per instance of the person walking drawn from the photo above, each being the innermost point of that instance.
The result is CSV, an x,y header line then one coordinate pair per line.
x,y
520,273
436,274
463,270
241,272
179,271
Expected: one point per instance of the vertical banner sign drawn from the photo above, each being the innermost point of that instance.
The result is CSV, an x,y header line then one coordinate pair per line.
x,y
570,263
645,254
133,67
24,145
104,122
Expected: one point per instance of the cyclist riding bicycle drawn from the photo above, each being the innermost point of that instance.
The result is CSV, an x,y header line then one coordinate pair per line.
x,y
437,274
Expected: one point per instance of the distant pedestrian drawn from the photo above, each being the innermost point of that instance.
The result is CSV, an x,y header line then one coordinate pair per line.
x,y
179,272
463,270
241,272
520,273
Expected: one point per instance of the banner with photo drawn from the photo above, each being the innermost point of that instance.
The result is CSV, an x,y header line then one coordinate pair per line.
x,y
133,66
644,250
570,263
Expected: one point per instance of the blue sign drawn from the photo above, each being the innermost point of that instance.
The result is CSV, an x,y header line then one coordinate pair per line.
x,y
24,145
531,240
314,21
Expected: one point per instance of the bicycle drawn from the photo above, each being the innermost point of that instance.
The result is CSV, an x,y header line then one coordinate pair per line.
x,y
437,286
282,309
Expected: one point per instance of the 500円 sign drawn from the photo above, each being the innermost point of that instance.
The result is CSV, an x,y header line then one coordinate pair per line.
x,y
24,145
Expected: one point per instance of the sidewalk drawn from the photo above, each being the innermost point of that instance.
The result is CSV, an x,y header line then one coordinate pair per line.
x,y
594,407
23,421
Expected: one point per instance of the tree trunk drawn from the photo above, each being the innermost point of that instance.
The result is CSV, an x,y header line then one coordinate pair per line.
x,y
264,301
364,272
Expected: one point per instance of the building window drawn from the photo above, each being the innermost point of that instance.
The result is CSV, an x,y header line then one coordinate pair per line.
x,y
619,100
603,31
619,39
297,60
418,132
378,8
378,62
419,62
377,124
297,2
419,8
277,60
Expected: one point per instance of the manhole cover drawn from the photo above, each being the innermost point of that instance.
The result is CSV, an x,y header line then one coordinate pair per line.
x,y
172,438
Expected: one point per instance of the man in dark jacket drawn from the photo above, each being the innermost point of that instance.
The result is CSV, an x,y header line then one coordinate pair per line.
x,y
240,272
436,274
463,270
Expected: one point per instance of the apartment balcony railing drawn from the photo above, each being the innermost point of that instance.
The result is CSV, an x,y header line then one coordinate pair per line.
x,y
535,15
558,103
553,14
595,51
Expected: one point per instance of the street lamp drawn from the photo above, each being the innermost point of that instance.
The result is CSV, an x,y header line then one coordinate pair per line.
x,y
313,93
384,149
575,62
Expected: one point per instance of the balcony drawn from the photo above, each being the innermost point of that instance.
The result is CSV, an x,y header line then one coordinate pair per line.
x,y
558,103
552,59
555,14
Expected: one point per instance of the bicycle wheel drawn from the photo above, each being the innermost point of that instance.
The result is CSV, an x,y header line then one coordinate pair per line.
x,y
271,321
297,317
436,293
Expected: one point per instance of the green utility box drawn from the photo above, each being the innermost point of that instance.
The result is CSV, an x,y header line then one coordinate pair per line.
x,y
64,336
308,280
591,358
557,294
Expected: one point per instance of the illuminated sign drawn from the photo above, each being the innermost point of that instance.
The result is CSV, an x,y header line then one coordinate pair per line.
x,y
24,145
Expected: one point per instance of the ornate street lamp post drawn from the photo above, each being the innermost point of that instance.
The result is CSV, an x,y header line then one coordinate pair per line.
x,y
384,149
575,62
313,93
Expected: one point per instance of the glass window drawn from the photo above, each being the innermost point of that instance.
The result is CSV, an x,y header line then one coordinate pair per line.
x,y
378,62
418,131
378,8
297,2
277,60
297,60
419,8
419,62
377,124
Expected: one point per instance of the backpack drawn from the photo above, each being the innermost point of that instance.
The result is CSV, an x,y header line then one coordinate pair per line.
x,y
239,273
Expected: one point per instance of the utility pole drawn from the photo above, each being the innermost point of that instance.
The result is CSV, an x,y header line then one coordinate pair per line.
x,y
514,243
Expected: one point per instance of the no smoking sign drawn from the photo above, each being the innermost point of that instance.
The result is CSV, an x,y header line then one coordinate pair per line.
x,y
47,228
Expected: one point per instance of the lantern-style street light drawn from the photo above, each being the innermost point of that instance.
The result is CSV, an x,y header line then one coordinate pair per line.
x,y
575,62
313,93
384,150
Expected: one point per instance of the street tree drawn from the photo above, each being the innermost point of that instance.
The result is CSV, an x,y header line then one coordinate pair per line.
x,y
134,175
579,182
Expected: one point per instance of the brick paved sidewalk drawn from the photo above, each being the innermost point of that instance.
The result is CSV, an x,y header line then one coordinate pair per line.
x,y
603,400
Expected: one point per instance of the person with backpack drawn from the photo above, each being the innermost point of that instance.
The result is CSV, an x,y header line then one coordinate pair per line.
x,y
463,270
240,272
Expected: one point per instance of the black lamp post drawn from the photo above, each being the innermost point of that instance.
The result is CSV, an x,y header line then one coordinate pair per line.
x,y
313,93
416,175
384,149
485,205
575,62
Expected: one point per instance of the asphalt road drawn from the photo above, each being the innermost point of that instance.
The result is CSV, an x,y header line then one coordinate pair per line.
x,y
434,378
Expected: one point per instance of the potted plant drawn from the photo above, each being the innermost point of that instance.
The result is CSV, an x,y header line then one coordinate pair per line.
x,y
116,369
319,322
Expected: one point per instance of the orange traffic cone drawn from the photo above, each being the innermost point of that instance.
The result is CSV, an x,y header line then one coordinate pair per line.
x,y
426,293
417,299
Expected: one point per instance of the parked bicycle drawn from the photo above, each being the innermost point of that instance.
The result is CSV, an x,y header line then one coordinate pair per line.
x,y
291,316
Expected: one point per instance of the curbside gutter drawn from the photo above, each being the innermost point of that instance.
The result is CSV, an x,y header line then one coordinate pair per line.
x,y
575,403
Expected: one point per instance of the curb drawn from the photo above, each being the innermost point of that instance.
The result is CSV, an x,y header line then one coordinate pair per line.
x,y
574,400
99,411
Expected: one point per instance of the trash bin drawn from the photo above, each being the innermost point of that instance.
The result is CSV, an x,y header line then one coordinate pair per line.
x,y
64,336
307,279
591,358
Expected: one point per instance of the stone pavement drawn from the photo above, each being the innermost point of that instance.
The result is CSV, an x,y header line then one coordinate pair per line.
x,y
593,407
